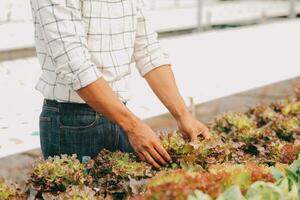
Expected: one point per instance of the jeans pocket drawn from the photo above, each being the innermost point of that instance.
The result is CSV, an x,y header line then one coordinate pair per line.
x,y
78,119
87,142
77,141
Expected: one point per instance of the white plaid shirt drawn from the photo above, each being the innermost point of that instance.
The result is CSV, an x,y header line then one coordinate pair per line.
x,y
79,41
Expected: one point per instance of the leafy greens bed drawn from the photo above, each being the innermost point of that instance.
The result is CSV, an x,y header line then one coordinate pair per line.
x,y
251,155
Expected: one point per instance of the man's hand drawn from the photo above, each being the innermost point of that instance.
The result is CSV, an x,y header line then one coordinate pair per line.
x,y
147,145
144,141
162,82
191,128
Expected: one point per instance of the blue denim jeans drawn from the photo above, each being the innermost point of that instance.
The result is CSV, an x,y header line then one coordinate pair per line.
x,y
70,128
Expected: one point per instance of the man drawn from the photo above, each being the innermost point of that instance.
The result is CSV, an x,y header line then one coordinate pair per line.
x,y
86,49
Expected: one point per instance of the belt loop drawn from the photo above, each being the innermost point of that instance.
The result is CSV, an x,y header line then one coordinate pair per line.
x,y
58,106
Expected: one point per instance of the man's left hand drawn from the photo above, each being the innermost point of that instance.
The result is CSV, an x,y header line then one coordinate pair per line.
x,y
191,128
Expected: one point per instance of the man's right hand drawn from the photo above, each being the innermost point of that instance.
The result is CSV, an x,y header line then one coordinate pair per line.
x,y
144,141
147,145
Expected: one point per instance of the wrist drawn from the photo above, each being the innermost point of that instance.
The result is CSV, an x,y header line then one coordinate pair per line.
x,y
183,114
129,123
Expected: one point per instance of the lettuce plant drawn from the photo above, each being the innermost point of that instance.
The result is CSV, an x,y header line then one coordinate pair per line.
x,y
286,128
232,122
10,192
291,109
74,193
57,173
174,184
263,114
112,172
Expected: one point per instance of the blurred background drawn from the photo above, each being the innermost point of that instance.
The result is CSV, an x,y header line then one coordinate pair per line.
x,y
218,48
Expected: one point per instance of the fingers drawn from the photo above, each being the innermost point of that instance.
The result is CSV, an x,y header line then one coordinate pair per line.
x,y
205,133
156,156
150,159
163,153
185,135
194,137
141,156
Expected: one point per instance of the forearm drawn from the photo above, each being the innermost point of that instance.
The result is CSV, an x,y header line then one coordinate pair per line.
x,y
144,141
163,83
102,99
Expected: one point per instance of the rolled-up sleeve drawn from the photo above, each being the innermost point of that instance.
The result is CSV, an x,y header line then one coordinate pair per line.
x,y
148,53
64,31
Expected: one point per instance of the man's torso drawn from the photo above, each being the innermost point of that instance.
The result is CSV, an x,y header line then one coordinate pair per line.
x,y
110,27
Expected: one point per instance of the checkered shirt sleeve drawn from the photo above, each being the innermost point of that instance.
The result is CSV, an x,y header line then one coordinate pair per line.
x,y
63,29
148,53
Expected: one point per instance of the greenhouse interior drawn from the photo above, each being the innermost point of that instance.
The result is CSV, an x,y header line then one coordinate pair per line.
x,y
149,100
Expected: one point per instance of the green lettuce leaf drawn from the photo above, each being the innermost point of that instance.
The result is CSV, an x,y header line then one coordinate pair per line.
x,y
277,174
199,195
232,193
286,189
263,191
